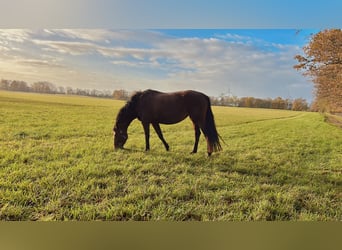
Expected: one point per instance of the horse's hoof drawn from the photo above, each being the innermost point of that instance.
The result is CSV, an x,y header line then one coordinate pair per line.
x,y
209,154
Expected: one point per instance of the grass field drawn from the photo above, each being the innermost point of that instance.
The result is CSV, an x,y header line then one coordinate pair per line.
x,y
57,163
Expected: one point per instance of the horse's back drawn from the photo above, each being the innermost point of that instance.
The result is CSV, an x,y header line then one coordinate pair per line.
x,y
195,96
180,100
167,108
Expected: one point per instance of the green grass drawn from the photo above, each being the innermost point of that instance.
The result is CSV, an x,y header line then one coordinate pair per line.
x,y
57,163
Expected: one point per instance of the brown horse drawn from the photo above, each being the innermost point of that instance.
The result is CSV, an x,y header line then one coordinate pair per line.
x,y
153,107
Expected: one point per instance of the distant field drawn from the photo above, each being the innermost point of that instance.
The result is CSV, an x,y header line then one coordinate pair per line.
x,y
57,163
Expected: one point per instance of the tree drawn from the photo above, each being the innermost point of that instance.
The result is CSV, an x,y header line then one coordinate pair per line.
x,y
300,104
19,86
61,90
279,103
120,94
5,84
14,85
69,90
44,87
323,63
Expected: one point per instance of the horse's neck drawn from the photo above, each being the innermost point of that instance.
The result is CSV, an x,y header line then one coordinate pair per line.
x,y
129,121
128,118
128,113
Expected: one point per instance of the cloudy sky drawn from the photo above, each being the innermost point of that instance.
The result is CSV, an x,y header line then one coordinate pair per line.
x,y
167,45
242,62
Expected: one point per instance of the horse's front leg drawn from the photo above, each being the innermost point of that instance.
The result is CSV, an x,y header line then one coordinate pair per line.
x,y
146,126
160,135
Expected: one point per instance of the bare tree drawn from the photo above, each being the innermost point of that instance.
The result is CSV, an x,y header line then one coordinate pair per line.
x,y
44,87
120,94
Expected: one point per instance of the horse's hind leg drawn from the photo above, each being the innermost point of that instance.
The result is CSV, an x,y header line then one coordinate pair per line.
x,y
197,136
160,135
209,145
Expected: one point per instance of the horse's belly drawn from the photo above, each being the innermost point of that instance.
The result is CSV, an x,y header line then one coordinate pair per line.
x,y
170,121
164,119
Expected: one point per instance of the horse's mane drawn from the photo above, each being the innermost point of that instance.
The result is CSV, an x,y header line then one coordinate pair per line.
x,y
129,109
134,99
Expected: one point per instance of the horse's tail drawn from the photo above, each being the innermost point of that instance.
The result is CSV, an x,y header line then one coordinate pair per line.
x,y
210,131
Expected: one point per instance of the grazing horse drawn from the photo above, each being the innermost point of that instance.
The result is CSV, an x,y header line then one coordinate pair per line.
x,y
153,107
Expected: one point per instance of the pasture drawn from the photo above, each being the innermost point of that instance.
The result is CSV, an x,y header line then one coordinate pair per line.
x,y
57,163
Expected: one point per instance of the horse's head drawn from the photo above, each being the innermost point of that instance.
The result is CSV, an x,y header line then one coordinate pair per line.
x,y
125,116
120,137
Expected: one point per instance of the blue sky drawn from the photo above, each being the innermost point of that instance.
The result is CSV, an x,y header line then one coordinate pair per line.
x,y
243,47
147,14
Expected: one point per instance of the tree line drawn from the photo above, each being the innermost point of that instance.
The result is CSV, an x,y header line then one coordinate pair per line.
x,y
50,88
121,94
298,104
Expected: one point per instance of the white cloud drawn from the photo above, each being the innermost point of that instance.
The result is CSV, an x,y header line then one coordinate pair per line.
x,y
14,35
66,47
39,63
